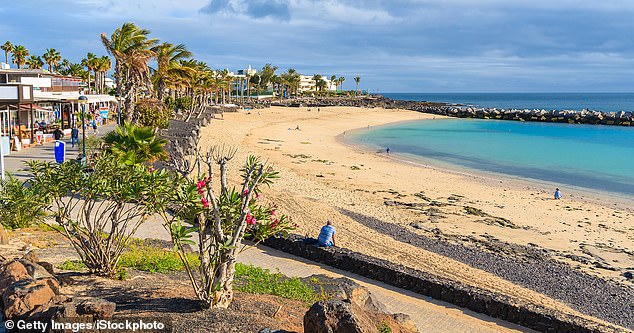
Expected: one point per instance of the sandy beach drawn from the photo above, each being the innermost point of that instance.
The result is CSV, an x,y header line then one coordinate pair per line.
x,y
362,192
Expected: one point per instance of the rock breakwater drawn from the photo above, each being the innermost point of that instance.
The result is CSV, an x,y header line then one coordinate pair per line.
x,y
591,117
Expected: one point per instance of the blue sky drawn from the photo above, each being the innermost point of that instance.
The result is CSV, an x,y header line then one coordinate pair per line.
x,y
394,46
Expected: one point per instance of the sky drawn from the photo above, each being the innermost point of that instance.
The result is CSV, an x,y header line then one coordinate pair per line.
x,y
394,46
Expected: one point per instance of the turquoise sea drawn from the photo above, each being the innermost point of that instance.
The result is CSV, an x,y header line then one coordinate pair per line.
x,y
592,157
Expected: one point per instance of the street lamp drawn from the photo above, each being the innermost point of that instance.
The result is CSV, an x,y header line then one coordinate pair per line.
x,y
82,102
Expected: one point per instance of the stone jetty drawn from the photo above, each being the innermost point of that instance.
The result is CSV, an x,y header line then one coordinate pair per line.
x,y
621,118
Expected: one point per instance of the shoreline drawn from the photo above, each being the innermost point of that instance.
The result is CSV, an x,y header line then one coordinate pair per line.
x,y
491,178
363,192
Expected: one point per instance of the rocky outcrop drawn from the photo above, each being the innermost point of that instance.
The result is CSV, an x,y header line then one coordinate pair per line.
x,y
345,316
351,308
30,290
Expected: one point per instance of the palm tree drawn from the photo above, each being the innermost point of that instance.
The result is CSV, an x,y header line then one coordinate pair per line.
x,y
333,80
266,75
132,50
89,63
133,144
357,79
316,78
35,62
52,57
340,80
7,47
168,57
19,55
104,64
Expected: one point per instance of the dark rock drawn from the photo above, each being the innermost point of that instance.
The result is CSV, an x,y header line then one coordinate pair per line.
x,y
31,256
11,272
24,296
36,271
96,307
337,317
417,225
628,275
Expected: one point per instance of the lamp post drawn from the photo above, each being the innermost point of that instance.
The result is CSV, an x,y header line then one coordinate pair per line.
x,y
82,101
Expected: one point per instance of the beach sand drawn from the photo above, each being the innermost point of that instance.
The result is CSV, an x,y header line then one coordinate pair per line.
x,y
324,178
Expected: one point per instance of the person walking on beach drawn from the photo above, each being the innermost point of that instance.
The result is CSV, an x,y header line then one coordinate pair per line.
x,y
327,235
557,194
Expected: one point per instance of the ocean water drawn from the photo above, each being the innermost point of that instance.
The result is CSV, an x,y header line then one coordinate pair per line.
x,y
549,101
592,157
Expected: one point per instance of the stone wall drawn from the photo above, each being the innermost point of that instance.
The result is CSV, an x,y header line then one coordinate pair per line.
x,y
478,300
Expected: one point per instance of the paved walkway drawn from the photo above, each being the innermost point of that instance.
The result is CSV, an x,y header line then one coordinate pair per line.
x,y
429,315
14,163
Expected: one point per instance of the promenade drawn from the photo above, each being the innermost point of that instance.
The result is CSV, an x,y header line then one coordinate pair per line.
x,y
428,314
14,163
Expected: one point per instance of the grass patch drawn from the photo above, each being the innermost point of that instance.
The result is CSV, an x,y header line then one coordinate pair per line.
x,y
382,327
154,259
256,280
73,265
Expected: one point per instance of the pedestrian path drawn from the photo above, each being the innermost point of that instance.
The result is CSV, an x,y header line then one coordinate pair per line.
x,y
429,315
14,163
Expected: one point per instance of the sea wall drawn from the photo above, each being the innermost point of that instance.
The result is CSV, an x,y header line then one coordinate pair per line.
x,y
621,118
476,299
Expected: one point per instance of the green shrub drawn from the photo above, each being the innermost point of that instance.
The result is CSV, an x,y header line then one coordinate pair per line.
x,y
154,259
73,265
183,103
153,113
21,205
382,327
257,280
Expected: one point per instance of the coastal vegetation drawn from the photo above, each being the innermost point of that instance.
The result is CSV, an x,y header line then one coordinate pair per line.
x,y
218,220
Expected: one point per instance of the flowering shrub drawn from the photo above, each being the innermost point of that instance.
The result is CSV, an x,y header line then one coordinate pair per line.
x,y
219,221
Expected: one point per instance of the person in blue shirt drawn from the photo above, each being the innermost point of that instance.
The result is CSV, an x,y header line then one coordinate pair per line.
x,y
557,194
327,235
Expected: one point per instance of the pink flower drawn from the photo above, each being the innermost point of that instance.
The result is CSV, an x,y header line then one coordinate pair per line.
x,y
200,184
273,212
245,192
204,202
251,220
151,169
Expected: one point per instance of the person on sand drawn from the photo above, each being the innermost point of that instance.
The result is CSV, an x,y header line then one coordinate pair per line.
x,y
327,235
387,150
297,128
557,194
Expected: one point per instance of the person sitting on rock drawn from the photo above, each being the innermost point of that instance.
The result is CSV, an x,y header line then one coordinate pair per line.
x,y
327,235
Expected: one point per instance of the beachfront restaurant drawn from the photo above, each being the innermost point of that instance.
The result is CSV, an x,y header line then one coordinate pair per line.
x,y
30,117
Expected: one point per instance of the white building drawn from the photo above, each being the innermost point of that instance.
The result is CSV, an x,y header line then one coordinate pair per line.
x,y
307,84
